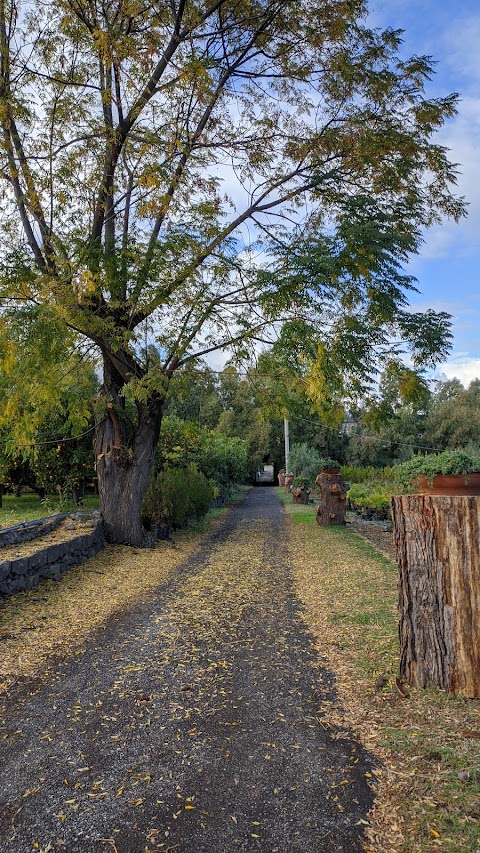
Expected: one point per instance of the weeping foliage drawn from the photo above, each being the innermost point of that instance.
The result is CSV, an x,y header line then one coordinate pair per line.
x,y
47,382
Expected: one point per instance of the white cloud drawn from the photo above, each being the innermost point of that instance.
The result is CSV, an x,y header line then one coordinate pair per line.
x,y
463,367
461,137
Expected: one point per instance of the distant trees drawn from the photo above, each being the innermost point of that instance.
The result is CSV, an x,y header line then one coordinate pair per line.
x,y
432,420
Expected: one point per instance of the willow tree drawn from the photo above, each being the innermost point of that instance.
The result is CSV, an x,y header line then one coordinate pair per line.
x,y
151,153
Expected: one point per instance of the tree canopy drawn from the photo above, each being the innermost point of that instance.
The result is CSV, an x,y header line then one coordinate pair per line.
x,y
180,177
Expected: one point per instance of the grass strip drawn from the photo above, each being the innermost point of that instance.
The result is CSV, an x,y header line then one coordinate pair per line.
x,y
427,781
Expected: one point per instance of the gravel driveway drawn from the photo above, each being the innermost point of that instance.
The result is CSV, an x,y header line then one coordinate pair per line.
x,y
194,723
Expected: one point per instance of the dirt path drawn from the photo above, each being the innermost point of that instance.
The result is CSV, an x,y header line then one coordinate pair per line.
x,y
192,724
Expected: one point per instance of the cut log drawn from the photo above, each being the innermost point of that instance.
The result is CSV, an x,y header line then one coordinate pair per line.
x,y
437,540
301,495
333,493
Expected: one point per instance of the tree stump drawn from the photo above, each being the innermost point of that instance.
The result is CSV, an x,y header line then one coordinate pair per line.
x,y
333,498
288,482
301,495
438,553
281,478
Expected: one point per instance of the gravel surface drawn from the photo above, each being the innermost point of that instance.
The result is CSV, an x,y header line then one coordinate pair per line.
x,y
194,723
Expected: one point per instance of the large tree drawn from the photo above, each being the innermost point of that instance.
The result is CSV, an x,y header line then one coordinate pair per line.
x,y
153,153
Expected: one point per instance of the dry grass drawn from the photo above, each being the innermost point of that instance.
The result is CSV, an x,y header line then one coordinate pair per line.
x,y
427,785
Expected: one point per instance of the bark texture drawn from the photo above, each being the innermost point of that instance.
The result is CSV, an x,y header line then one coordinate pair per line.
x,y
438,553
123,473
333,494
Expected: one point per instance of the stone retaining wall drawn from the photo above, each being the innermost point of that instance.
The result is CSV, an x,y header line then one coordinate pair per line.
x,y
26,572
30,530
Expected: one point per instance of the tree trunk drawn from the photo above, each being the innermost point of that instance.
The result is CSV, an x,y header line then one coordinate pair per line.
x,y
123,472
438,553
333,494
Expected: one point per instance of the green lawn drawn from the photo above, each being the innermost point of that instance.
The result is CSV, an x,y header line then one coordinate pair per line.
x,y
29,507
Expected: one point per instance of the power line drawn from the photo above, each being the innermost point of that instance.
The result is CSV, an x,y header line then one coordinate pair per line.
x,y
53,440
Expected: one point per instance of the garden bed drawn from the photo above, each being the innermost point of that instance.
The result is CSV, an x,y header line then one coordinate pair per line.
x,y
46,549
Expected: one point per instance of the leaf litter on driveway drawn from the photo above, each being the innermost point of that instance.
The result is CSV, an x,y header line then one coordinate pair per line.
x,y
196,722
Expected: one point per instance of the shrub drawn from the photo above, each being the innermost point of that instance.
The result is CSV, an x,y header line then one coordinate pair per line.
x,y
224,459
368,474
300,482
448,462
304,461
370,499
176,496
180,444
327,464
356,474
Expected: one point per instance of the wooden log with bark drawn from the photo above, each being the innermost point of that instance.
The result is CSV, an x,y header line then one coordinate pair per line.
x,y
301,495
333,494
438,553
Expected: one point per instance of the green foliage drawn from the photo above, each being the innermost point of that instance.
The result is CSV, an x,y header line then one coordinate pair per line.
x,y
448,462
372,498
305,461
194,395
66,465
300,482
352,283
45,379
176,496
225,461
118,223
453,419
181,442
327,464
355,474
371,489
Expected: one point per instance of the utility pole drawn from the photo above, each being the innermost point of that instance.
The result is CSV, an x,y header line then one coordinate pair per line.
x,y
287,446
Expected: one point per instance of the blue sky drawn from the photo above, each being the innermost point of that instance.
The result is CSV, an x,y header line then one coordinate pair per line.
x,y
448,267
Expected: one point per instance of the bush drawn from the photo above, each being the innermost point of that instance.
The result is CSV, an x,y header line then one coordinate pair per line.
x,y
224,460
369,474
176,496
448,462
304,461
370,499
327,464
180,443
301,482
356,474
